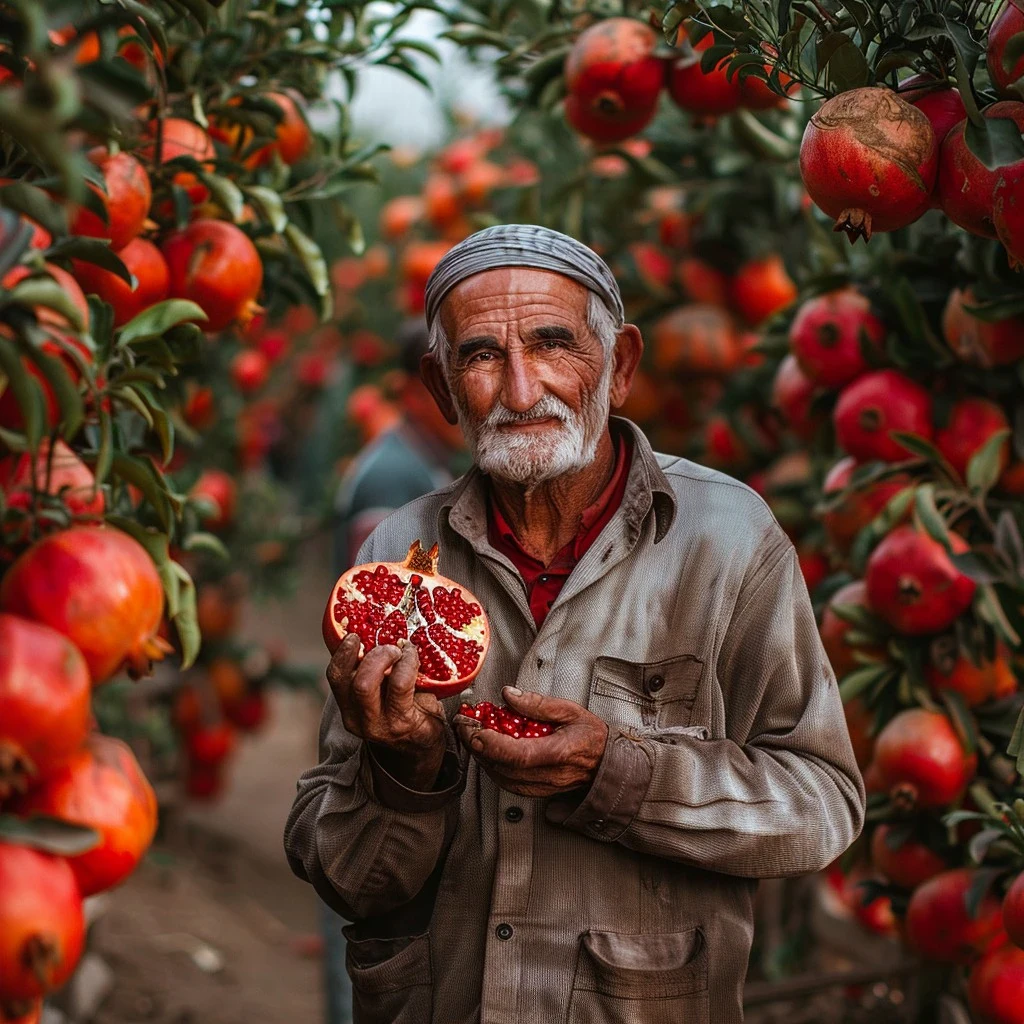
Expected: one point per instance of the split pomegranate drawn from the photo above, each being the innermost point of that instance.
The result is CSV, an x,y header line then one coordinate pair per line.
x,y
1013,911
921,761
972,421
98,587
696,339
988,680
612,80
127,198
965,185
995,990
888,156
913,584
704,93
844,518
793,394
218,487
835,629
1007,23
981,342
761,288
386,602
908,862
873,406
182,137
59,472
42,929
250,370
940,102
44,702
500,718
215,264
829,334
938,925
152,280
103,788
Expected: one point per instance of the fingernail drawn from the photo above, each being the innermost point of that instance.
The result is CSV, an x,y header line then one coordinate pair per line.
x,y
514,690
350,639
477,743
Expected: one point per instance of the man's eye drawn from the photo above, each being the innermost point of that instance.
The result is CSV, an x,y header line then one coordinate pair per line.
x,y
550,345
477,356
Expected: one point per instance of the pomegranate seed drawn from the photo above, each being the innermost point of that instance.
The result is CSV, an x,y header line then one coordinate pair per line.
x,y
504,719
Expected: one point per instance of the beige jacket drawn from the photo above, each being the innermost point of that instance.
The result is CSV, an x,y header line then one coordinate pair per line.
x,y
688,629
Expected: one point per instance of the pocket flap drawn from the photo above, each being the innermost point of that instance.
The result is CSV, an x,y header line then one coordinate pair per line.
x,y
644,966
650,683
382,965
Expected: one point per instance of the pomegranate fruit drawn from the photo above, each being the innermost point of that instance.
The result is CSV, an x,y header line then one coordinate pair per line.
x,y
913,584
845,517
975,683
888,154
250,370
981,342
829,334
761,288
218,487
1013,911
835,629
1008,216
292,137
398,215
972,421
965,185
613,79
211,745
215,264
696,339
59,472
42,929
908,863
1007,23
940,102
103,788
499,718
152,280
873,406
921,761
182,137
127,198
703,283
704,93
387,602
938,925
793,394
44,702
995,989
99,588
250,712
218,611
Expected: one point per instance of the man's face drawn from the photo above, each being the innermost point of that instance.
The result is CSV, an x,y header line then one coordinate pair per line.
x,y
530,380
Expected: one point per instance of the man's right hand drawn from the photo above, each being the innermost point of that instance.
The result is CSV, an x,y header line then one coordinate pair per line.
x,y
378,703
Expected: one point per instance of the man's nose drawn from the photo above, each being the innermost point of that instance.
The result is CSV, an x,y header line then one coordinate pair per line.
x,y
521,387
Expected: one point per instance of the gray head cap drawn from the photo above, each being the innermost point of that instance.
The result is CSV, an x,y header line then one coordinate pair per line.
x,y
523,245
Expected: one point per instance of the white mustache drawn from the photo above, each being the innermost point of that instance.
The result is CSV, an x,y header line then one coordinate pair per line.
x,y
547,407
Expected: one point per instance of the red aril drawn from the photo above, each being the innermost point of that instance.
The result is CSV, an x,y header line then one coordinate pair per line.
x,y
59,472
145,261
981,342
127,198
921,761
704,93
972,421
499,718
103,788
940,102
215,264
219,488
696,340
845,517
180,138
829,334
939,926
868,159
99,588
874,406
42,929
913,584
793,394
250,370
384,603
975,683
761,288
44,702
904,860
1013,911
1007,24
995,989
835,629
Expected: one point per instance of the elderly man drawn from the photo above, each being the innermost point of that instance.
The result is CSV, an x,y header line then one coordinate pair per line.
x,y
650,607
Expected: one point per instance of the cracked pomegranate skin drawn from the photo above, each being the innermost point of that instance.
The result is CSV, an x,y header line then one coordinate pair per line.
x,y
938,925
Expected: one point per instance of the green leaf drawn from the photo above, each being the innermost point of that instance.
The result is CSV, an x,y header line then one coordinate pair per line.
x,y
201,541
92,250
269,204
987,463
105,454
156,544
990,608
157,320
226,192
996,142
861,679
35,204
141,474
186,622
43,290
1015,748
163,425
962,719
128,394
929,515
313,262
65,390
49,834
27,392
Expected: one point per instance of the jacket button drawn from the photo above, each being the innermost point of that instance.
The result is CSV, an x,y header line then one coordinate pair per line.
x,y
504,931
514,814
655,683
598,825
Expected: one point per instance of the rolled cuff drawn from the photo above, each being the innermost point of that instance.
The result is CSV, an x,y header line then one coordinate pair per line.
x,y
608,808
387,790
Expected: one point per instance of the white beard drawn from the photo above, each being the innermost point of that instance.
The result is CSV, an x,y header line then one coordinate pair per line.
x,y
535,458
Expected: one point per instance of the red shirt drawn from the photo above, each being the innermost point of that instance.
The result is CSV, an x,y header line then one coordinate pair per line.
x,y
544,582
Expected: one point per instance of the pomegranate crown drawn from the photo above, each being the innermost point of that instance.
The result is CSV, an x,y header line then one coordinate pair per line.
x,y
420,560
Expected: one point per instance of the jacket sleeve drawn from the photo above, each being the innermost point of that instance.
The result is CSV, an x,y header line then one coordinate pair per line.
x,y
782,794
367,843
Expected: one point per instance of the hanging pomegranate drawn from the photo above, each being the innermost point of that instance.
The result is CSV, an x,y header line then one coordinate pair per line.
x,y
292,137
387,602
98,587
984,343
152,280
56,471
830,334
939,926
904,860
888,156
874,406
1013,911
835,629
44,702
219,488
613,80
921,761
696,339
127,198
940,102
995,989
703,283
972,422
844,518
250,370
1007,24
499,718
761,288
704,93
793,394
182,138
913,584
976,683
210,745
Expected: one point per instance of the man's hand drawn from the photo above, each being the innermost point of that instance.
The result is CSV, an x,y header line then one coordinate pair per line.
x,y
378,703
565,760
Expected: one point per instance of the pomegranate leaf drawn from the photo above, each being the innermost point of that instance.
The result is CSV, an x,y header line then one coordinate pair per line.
x,y
1008,541
860,679
986,463
980,885
92,250
158,320
980,843
43,290
963,721
68,396
269,204
996,142
990,609
35,204
975,565
27,392
1015,748
1013,51
185,622
928,515
51,835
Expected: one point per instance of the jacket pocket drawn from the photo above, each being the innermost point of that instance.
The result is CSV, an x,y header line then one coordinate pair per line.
x,y
641,979
391,980
643,695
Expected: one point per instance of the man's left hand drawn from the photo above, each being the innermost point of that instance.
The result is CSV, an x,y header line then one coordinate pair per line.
x,y
542,766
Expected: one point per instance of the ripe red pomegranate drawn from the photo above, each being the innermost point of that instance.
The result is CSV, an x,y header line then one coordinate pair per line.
x,y
182,137
909,863
888,156
913,584
965,185
398,215
127,198
761,288
940,102
835,629
200,408
250,712
145,261
995,990
1013,911
211,745
873,406
793,394
829,334
44,702
706,94
975,683
218,487
1008,215
972,421
696,340
292,137
61,473
103,788
98,587
938,926
1008,23
204,782
723,445
981,342
814,565
274,345
703,283
921,761
215,264
756,94
845,519
387,602
613,79
42,929
250,370
499,718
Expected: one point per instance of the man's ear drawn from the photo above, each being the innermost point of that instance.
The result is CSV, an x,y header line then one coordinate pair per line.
x,y
629,347
434,379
